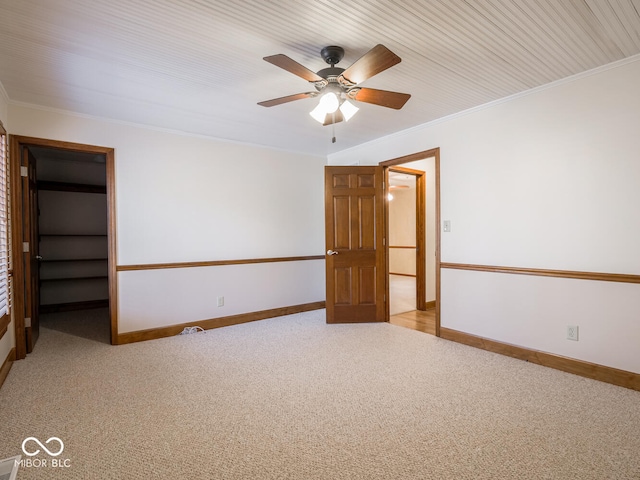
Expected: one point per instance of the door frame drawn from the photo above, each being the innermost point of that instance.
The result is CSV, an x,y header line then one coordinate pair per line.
x,y
395,162
16,143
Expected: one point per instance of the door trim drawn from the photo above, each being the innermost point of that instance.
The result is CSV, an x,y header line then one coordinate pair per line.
x,y
16,142
435,153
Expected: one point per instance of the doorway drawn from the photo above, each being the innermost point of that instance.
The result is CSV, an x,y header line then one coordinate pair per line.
x,y
413,252
64,220
405,219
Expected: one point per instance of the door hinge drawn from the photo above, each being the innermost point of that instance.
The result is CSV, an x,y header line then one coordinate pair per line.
x,y
27,321
384,242
24,171
25,247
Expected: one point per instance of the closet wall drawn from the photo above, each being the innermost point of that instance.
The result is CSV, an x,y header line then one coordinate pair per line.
x,y
72,229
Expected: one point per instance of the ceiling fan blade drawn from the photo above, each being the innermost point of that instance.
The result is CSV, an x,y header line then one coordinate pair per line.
x,y
289,98
329,119
384,98
376,60
294,67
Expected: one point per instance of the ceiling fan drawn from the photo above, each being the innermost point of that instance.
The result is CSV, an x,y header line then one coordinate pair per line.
x,y
336,86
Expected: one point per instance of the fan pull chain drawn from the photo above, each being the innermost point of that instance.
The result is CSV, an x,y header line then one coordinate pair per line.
x,y
333,128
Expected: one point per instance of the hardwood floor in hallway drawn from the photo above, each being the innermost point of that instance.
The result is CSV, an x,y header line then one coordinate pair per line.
x,y
423,321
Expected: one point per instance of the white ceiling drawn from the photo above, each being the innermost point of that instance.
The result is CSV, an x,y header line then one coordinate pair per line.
x,y
196,65
403,180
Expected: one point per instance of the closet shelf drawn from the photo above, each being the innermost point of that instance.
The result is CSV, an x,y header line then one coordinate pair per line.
x,y
67,279
71,187
72,235
46,260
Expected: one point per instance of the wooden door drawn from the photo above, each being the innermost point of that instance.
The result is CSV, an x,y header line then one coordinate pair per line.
x,y
354,232
31,254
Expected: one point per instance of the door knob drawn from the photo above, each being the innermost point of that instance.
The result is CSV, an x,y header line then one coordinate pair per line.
x,y
38,257
331,252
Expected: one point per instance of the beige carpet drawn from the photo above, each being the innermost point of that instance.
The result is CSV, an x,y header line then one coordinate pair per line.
x,y
294,398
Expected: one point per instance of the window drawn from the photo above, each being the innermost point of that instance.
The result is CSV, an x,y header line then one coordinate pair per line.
x,y
4,230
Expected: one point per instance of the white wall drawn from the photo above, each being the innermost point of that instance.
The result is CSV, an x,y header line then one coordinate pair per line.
x,y
183,198
402,231
546,180
190,294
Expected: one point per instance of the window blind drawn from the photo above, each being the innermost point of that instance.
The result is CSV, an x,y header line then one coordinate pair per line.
x,y
4,226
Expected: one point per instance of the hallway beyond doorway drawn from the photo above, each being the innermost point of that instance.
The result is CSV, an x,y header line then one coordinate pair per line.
x,y
402,306
402,294
423,321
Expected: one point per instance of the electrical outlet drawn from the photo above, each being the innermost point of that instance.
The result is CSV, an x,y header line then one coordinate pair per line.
x,y
572,332
221,301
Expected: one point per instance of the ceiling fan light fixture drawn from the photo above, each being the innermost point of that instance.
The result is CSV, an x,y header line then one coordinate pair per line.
x,y
330,102
318,113
348,110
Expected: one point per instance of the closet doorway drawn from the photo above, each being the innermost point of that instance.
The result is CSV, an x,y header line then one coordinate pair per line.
x,y
66,208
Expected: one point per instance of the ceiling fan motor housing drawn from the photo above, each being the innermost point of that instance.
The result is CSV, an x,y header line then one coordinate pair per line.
x,y
332,54
330,75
